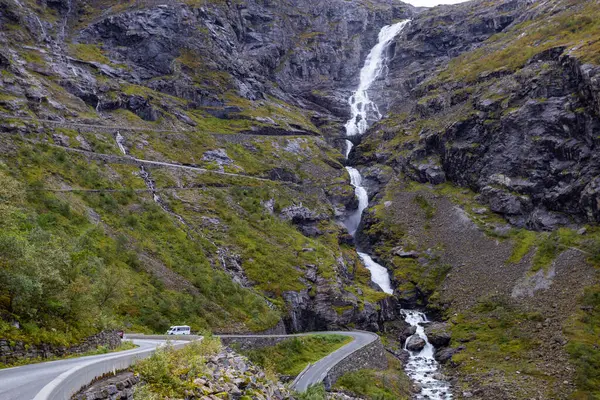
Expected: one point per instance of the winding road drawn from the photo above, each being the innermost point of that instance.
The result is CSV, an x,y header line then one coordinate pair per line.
x,y
59,380
45,380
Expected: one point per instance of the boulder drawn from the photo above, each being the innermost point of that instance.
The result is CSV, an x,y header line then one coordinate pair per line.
x,y
415,343
444,355
406,333
438,334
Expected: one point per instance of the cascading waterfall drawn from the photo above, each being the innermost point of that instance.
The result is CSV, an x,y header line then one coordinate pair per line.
x,y
361,107
349,146
379,274
422,366
143,173
353,219
150,183
120,140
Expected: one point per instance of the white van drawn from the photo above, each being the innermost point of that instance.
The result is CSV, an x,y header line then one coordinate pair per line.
x,y
179,330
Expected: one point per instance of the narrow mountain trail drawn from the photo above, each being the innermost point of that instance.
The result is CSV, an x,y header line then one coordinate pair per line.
x,y
80,125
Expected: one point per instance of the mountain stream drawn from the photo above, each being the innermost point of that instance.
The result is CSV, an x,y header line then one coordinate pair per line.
x,y
422,367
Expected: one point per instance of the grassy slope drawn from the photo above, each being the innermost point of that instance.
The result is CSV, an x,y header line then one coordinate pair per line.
x,y
291,356
391,384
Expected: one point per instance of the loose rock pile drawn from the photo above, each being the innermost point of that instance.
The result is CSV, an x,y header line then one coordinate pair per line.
x,y
231,376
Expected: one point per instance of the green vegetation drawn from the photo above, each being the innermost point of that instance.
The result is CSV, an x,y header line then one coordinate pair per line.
x,y
524,242
88,52
291,356
391,384
576,27
496,335
65,277
584,345
314,392
169,372
425,205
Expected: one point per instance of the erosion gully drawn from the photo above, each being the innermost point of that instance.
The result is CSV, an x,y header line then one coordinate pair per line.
x,y
422,367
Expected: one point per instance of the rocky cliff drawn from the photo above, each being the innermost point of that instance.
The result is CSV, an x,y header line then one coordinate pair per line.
x,y
482,177
179,161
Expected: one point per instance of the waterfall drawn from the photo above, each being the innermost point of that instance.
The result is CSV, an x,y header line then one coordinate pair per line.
x,y
422,366
353,219
44,34
379,274
349,146
120,140
65,21
361,107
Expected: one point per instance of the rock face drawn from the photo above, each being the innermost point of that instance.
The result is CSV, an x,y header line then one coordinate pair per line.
x,y
522,139
12,351
119,387
255,43
230,373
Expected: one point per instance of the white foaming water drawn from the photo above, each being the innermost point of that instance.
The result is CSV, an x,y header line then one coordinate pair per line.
x,y
379,274
44,34
361,106
422,366
120,140
353,219
349,146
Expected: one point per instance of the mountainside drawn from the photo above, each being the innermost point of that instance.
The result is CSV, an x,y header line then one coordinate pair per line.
x,y
166,162
96,96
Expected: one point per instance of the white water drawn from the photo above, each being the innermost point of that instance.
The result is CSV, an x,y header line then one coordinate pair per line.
x,y
120,140
422,366
379,274
349,146
353,219
44,34
361,107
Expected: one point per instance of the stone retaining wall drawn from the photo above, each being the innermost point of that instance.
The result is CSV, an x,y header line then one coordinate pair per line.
x,y
12,351
120,386
371,356
244,343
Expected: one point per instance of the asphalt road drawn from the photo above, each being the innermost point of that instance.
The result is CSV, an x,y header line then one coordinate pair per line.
x,y
41,381
25,382
317,372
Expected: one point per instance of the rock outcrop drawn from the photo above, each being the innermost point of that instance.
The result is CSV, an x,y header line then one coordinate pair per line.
x,y
523,139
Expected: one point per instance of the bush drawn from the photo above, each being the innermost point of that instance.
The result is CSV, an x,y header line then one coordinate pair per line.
x,y
167,370
314,392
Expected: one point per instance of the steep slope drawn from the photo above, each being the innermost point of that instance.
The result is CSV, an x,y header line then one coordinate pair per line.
x,y
164,162
483,178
